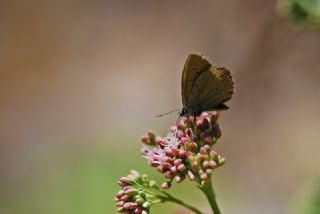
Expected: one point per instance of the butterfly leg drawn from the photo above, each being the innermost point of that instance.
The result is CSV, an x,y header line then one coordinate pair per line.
x,y
177,122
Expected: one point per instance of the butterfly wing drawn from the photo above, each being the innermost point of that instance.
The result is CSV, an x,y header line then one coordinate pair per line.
x,y
195,65
211,89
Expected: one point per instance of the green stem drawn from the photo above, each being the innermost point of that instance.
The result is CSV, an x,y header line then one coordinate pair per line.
x,y
207,189
170,198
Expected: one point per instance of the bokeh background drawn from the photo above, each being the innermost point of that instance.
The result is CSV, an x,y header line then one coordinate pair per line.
x,y
81,81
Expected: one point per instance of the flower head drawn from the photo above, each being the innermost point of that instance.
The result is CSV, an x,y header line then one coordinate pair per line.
x,y
186,151
134,198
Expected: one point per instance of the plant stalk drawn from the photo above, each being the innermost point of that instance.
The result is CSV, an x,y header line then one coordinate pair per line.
x,y
170,198
208,190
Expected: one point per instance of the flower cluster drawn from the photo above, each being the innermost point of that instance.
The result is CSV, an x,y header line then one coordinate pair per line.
x,y
134,198
187,149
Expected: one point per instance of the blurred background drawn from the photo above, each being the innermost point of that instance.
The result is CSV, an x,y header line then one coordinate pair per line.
x,y
81,81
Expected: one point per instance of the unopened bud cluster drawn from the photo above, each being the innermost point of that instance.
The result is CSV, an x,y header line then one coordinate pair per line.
x,y
187,149
134,198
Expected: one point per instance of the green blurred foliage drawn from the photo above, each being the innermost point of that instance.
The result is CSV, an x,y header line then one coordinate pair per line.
x,y
302,12
308,200
82,179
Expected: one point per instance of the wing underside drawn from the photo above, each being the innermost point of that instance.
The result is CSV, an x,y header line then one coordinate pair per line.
x,y
194,66
212,88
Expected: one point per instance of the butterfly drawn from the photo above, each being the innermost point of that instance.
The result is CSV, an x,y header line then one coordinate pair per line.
x,y
204,87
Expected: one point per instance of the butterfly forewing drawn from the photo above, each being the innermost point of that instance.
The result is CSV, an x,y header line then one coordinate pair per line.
x,y
194,66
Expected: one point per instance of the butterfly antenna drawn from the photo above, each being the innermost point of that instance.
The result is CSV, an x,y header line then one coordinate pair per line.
x,y
160,115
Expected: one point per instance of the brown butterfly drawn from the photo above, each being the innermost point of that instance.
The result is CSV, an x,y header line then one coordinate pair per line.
x,y
204,87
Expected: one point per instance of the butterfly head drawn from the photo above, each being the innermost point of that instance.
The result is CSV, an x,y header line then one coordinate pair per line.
x,y
185,113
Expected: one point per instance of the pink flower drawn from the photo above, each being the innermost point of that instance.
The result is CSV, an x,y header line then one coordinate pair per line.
x,y
132,198
186,151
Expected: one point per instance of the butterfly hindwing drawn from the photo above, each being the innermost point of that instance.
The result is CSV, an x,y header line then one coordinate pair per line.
x,y
210,90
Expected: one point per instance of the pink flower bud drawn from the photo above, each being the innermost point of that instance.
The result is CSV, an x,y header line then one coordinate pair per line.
x,y
165,185
204,115
208,140
198,124
168,174
120,210
153,163
191,176
138,210
205,164
182,153
184,139
168,159
125,180
177,162
213,155
160,168
173,169
179,178
145,139
203,151
207,148
180,134
189,132
194,166
131,191
130,206
181,168
205,124
215,115
119,204
125,188
189,154
190,119
202,157
175,151
216,131
124,198
121,183
166,165
202,135
169,152
120,193
203,176
173,128
212,164
179,126
159,141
